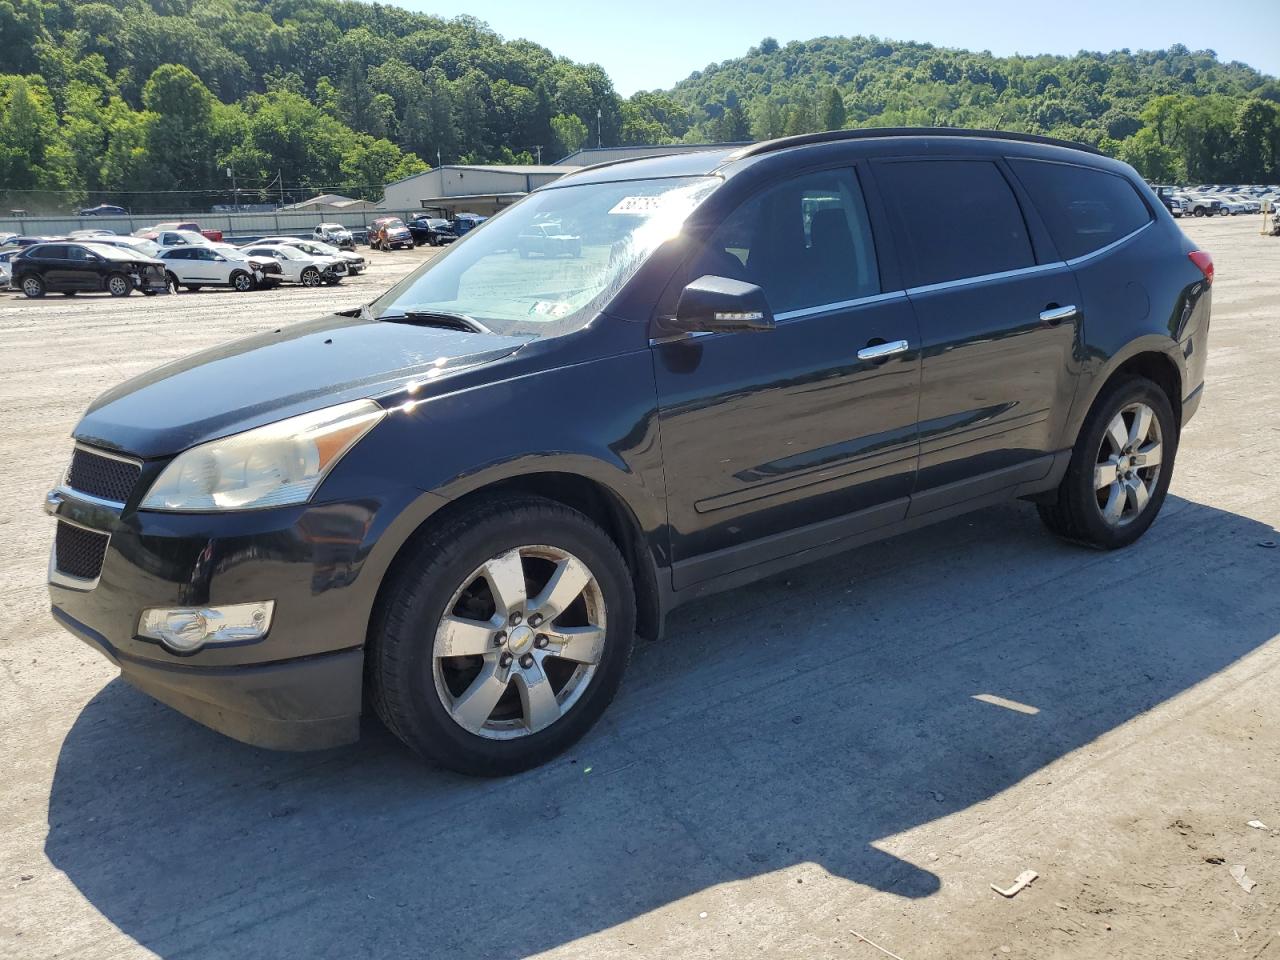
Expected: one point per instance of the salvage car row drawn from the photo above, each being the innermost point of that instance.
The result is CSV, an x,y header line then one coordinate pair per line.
x,y
169,260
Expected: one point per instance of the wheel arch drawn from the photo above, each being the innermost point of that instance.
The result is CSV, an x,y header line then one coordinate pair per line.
x,y
597,500
1152,358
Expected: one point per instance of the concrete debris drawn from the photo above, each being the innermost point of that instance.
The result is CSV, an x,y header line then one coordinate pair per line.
x,y
1239,876
1024,880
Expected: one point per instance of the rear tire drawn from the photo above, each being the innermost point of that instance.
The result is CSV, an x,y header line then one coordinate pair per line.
x,y
1129,440
423,695
33,286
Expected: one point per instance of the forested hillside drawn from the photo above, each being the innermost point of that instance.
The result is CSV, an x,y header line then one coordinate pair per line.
x,y
149,102
1174,114
137,96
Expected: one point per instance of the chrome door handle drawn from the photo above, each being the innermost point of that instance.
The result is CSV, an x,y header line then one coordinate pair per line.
x,y
1056,315
882,351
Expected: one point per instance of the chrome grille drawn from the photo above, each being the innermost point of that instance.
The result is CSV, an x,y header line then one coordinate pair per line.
x,y
79,552
103,477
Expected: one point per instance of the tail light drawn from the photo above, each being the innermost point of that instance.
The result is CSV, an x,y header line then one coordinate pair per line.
x,y
1204,261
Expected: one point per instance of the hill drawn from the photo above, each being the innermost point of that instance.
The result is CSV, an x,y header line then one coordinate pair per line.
x,y
1175,114
117,100
164,103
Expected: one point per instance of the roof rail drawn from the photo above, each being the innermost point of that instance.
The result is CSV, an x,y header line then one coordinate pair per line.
x,y
870,133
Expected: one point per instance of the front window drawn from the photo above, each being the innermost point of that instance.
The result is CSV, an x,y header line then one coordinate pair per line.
x,y
489,281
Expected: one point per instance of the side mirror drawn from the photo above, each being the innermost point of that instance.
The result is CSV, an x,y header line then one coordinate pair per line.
x,y
713,304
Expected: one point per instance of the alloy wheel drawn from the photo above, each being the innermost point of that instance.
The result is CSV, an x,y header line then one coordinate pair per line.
x,y
32,287
1127,468
519,643
118,286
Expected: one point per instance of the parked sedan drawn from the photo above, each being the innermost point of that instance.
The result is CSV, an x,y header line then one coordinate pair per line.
x,y
269,267
148,248
195,266
71,268
299,267
316,248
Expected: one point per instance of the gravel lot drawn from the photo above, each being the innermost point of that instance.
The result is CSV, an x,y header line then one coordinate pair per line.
x,y
797,761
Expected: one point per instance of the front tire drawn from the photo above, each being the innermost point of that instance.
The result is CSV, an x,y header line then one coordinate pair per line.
x,y
1120,468
310,277
503,636
118,285
241,282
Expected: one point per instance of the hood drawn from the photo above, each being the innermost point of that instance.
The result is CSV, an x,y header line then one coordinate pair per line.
x,y
262,379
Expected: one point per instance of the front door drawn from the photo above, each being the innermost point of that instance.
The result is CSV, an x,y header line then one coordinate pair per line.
x,y
85,270
998,326
775,442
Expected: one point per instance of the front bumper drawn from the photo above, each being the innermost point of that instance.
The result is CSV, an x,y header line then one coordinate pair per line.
x,y
305,704
299,687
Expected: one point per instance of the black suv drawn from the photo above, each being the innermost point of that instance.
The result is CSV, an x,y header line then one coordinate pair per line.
x,y
459,504
71,268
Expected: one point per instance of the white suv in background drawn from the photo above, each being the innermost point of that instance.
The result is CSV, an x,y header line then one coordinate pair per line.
x,y
194,266
316,248
299,267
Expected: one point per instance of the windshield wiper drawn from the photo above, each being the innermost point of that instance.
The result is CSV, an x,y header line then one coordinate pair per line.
x,y
437,318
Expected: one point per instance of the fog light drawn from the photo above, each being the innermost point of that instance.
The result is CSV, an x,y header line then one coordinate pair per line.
x,y
187,629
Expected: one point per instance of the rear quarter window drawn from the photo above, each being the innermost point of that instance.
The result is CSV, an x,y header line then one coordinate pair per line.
x,y
1084,209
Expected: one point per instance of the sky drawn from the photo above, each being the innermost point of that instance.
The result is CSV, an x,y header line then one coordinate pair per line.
x,y
650,44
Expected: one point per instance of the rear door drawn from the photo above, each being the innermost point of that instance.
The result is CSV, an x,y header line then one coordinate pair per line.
x,y
779,441
54,266
179,263
999,324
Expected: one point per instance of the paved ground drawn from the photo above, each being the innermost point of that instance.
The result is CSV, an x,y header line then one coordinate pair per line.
x,y
797,761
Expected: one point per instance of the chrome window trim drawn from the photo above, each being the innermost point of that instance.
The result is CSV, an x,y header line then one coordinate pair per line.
x,y
1075,261
800,314
60,579
986,278
803,312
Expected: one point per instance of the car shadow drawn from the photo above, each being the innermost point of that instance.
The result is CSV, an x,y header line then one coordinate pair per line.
x,y
807,719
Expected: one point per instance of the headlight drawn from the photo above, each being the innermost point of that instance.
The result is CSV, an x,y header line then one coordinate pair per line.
x,y
272,466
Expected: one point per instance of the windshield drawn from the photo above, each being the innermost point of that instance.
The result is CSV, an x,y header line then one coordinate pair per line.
x,y
603,232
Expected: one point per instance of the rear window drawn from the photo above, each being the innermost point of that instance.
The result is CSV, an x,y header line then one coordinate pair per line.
x,y
1084,209
960,218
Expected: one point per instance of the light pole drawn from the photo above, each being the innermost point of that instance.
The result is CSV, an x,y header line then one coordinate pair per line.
x,y
599,127
235,194
538,147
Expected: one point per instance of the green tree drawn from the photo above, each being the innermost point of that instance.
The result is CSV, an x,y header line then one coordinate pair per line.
x,y
180,128
569,132
833,114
